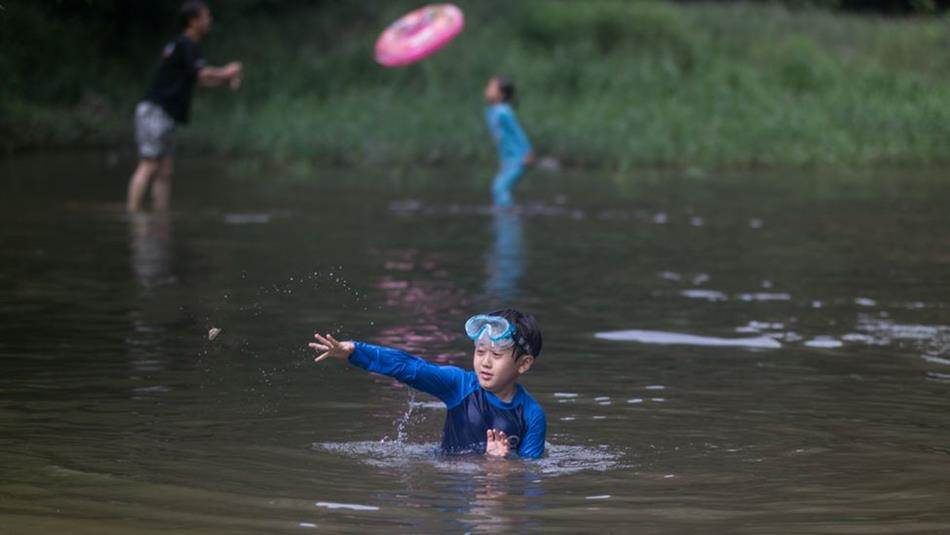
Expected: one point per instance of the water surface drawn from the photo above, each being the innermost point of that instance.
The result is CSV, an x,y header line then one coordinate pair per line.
x,y
118,415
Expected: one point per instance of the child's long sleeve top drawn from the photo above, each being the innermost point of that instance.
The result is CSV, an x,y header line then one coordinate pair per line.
x,y
510,139
472,410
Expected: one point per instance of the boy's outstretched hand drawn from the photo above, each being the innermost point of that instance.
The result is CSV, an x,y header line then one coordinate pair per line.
x,y
330,347
496,444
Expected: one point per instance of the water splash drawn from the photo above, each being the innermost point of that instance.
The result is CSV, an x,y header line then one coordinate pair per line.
x,y
559,460
402,421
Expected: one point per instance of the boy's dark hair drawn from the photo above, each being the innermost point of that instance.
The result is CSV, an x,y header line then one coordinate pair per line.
x,y
189,11
507,89
527,331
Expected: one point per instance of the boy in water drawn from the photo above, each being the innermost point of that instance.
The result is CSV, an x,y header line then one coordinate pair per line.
x,y
168,103
514,150
488,411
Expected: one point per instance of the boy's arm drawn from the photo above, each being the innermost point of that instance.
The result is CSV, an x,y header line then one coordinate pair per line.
x,y
443,382
532,446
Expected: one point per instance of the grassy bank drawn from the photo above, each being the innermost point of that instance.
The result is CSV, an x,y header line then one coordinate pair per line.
x,y
615,84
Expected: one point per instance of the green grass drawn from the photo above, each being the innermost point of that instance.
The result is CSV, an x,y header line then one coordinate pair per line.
x,y
619,85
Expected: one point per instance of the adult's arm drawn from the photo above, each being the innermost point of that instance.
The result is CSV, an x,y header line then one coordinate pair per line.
x,y
191,58
211,76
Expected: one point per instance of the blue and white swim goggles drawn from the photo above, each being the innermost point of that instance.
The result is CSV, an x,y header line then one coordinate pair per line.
x,y
495,331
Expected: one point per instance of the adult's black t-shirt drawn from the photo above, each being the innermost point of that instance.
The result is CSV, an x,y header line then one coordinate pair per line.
x,y
173,81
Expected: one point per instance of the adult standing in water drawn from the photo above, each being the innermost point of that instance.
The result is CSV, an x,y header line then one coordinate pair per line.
x,y
167,103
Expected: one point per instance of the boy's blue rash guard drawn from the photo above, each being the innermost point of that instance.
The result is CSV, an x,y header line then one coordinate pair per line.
x,y
512,143
472,410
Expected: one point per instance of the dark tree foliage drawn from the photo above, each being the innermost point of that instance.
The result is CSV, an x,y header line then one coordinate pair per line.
x,y
158,15
886,7
121,18
161,14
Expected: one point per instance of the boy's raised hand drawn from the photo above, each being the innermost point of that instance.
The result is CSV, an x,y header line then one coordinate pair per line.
x,y
496,444
330,347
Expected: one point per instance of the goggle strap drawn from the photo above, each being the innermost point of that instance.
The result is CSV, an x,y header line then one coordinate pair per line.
x,y
523,344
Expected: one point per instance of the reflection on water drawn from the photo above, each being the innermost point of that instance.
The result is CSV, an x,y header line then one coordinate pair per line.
x,y
151,245
151,235
350,506
422,295
667,338
505,264
245,219
487,495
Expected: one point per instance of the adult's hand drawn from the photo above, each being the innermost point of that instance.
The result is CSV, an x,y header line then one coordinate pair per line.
x,y
235,74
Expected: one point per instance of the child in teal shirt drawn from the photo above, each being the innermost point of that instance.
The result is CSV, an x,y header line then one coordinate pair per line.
x,y
514,150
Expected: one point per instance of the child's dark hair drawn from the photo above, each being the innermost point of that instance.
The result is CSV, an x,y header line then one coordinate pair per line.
x,y
507,89
527,331
189,11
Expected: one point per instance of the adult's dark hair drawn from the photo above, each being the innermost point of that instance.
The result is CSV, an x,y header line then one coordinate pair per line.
x,y
527,331
507,89
190,10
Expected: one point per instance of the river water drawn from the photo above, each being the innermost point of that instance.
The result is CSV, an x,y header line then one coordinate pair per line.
x,y
754,353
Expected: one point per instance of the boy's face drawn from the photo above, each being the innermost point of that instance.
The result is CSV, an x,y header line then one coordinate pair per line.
x,y
497,368
492,92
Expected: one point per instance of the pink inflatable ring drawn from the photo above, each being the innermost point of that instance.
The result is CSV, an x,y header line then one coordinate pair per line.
x,y
418,34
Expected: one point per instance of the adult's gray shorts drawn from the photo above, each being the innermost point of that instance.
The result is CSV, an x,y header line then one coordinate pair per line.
x,y
154,131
